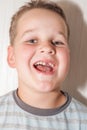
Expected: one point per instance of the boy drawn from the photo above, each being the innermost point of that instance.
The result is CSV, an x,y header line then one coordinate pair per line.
x,y
39,51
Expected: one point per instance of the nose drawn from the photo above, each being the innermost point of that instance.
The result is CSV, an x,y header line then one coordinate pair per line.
x,y
47,49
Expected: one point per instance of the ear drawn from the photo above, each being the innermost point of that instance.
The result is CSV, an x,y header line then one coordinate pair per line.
x,y
11,56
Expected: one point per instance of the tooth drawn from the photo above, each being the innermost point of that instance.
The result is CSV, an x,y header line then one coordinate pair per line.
x,y
40,63
50,64
43,63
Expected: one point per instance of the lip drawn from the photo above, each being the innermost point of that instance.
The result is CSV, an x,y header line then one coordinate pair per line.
x,y
47,67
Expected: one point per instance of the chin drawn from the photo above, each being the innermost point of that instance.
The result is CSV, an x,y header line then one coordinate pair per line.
x,y
46,87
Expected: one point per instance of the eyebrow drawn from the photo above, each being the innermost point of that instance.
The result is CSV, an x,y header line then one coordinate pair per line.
x,y
35,29
62,34
29,31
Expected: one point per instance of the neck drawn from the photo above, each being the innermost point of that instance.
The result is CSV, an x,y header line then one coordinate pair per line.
x,y
42,100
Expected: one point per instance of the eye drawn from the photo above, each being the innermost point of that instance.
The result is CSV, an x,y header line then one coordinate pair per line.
x,y
31,41
57,43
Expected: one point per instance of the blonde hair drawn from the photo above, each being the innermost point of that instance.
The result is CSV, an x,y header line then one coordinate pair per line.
x,y
45,4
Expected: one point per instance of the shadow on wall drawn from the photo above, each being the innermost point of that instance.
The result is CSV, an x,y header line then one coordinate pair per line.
x,y
76,82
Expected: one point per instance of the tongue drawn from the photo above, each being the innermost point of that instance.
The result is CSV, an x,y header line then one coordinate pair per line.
x,y
44,68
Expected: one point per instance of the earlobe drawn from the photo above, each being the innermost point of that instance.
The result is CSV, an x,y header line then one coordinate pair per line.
x,y
11,57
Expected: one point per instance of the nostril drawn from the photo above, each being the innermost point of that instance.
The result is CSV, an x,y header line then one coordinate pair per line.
x,y
48,50
51,51
42,51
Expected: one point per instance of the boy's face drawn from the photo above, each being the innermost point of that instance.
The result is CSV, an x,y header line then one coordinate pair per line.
x,y
40,52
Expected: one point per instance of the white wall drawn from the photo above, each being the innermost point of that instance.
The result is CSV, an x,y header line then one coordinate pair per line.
x,y
76,12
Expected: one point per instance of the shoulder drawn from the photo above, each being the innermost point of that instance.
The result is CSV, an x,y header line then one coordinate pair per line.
x,y
77,109
6,99
78,105
74,105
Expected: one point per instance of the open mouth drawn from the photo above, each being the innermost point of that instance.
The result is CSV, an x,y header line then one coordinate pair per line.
x,y
44,67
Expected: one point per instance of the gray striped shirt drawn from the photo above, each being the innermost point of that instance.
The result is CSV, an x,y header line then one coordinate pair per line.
x,y
16,115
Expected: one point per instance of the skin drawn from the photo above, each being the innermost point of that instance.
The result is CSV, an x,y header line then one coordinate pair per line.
x,y
41,37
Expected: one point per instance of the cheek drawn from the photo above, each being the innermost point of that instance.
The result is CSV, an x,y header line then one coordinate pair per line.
x,y
64,58
25,53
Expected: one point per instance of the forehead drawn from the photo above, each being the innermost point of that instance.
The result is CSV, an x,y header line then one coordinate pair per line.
x,y
40,13
40,18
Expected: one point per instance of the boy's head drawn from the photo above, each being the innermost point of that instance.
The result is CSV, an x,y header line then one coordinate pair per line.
x,y
43,4
39,46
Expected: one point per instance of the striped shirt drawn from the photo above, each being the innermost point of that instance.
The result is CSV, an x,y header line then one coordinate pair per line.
x,y
16,115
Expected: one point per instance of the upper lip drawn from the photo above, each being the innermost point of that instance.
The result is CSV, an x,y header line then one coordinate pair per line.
x,y
44,63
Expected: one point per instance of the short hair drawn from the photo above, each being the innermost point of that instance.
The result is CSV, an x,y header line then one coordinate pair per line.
x,y
44,4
